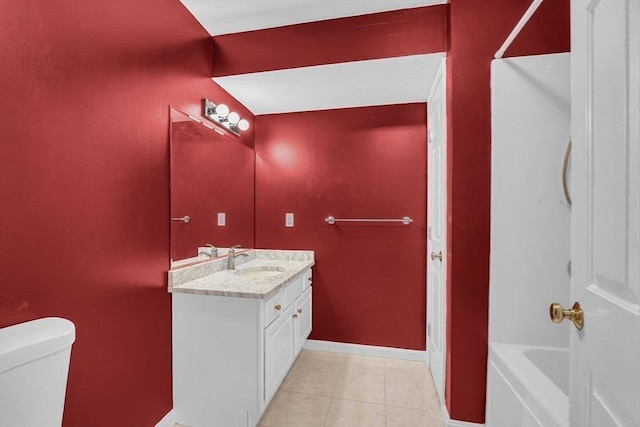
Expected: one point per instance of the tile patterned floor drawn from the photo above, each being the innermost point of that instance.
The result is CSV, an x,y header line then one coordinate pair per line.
x,y
325,389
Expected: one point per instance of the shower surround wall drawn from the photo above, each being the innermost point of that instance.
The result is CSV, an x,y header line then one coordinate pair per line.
x,y
530,227
530,219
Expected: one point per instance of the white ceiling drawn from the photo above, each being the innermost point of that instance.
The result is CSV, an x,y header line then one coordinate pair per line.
x,y
234,16
351,84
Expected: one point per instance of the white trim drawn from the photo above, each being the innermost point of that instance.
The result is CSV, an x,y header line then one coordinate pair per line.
x,y
516,30
448,422
365,350
168,420
440,74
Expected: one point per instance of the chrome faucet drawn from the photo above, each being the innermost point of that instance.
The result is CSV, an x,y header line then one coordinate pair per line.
x,y
212,254
231,257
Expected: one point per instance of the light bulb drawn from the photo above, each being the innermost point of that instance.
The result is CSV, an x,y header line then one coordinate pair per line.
x,y
233,118
222,110
243,124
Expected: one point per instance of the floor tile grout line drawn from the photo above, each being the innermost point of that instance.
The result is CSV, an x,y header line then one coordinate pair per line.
x,y
326,415
307,393
333,391
415,409
385,395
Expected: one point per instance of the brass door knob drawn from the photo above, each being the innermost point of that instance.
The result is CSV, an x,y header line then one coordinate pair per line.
x,y
295,316
558,314
299,310
435,256
278,307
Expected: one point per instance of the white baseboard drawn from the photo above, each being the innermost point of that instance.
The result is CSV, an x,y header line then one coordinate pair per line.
x,y
168,420
448,422
365,350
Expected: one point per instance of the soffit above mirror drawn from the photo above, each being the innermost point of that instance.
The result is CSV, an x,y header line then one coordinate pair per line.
x,y
351,84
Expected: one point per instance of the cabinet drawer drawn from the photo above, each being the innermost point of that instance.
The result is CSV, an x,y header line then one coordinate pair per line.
x,y
273,307
306,279
292,290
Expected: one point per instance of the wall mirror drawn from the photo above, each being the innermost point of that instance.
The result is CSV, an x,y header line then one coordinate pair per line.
x,y
212,189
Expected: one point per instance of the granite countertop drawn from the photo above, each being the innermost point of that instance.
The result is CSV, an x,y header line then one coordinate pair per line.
x,y
212,278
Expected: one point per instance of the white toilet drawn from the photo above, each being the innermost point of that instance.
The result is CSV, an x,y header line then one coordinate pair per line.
x,y
34,363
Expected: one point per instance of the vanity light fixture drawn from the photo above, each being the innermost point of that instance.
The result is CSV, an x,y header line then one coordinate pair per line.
x,y
243,124
220,115
221,110
233,118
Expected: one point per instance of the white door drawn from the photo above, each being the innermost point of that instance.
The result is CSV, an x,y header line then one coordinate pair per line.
x,y
605,220
436,229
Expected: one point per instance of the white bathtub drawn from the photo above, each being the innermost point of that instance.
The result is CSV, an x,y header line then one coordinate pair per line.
x,y
527,386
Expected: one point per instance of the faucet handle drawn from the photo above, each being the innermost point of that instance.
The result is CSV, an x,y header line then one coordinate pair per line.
x,y
214,250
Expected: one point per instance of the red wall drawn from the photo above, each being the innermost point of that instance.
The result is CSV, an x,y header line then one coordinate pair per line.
x,y
378,35
210,173
84,187
368,282
478,29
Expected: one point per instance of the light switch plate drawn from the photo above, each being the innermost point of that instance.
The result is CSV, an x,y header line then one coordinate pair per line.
x,y
222,219
288,219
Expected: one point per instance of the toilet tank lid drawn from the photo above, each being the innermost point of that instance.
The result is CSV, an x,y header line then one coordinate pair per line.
x,y
28,341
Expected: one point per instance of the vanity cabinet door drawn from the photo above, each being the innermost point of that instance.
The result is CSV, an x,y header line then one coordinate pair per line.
x,y
303,319
278,351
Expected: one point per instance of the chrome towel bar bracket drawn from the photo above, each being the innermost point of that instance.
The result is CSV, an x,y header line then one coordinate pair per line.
x,y
184,219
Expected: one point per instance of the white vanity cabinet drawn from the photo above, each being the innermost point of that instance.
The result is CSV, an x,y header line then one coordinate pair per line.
x,y
230,354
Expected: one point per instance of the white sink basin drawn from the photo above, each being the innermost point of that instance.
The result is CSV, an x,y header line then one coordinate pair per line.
x,y
258,272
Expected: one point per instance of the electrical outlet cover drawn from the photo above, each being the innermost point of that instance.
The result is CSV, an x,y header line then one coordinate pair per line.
x,y
288,219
